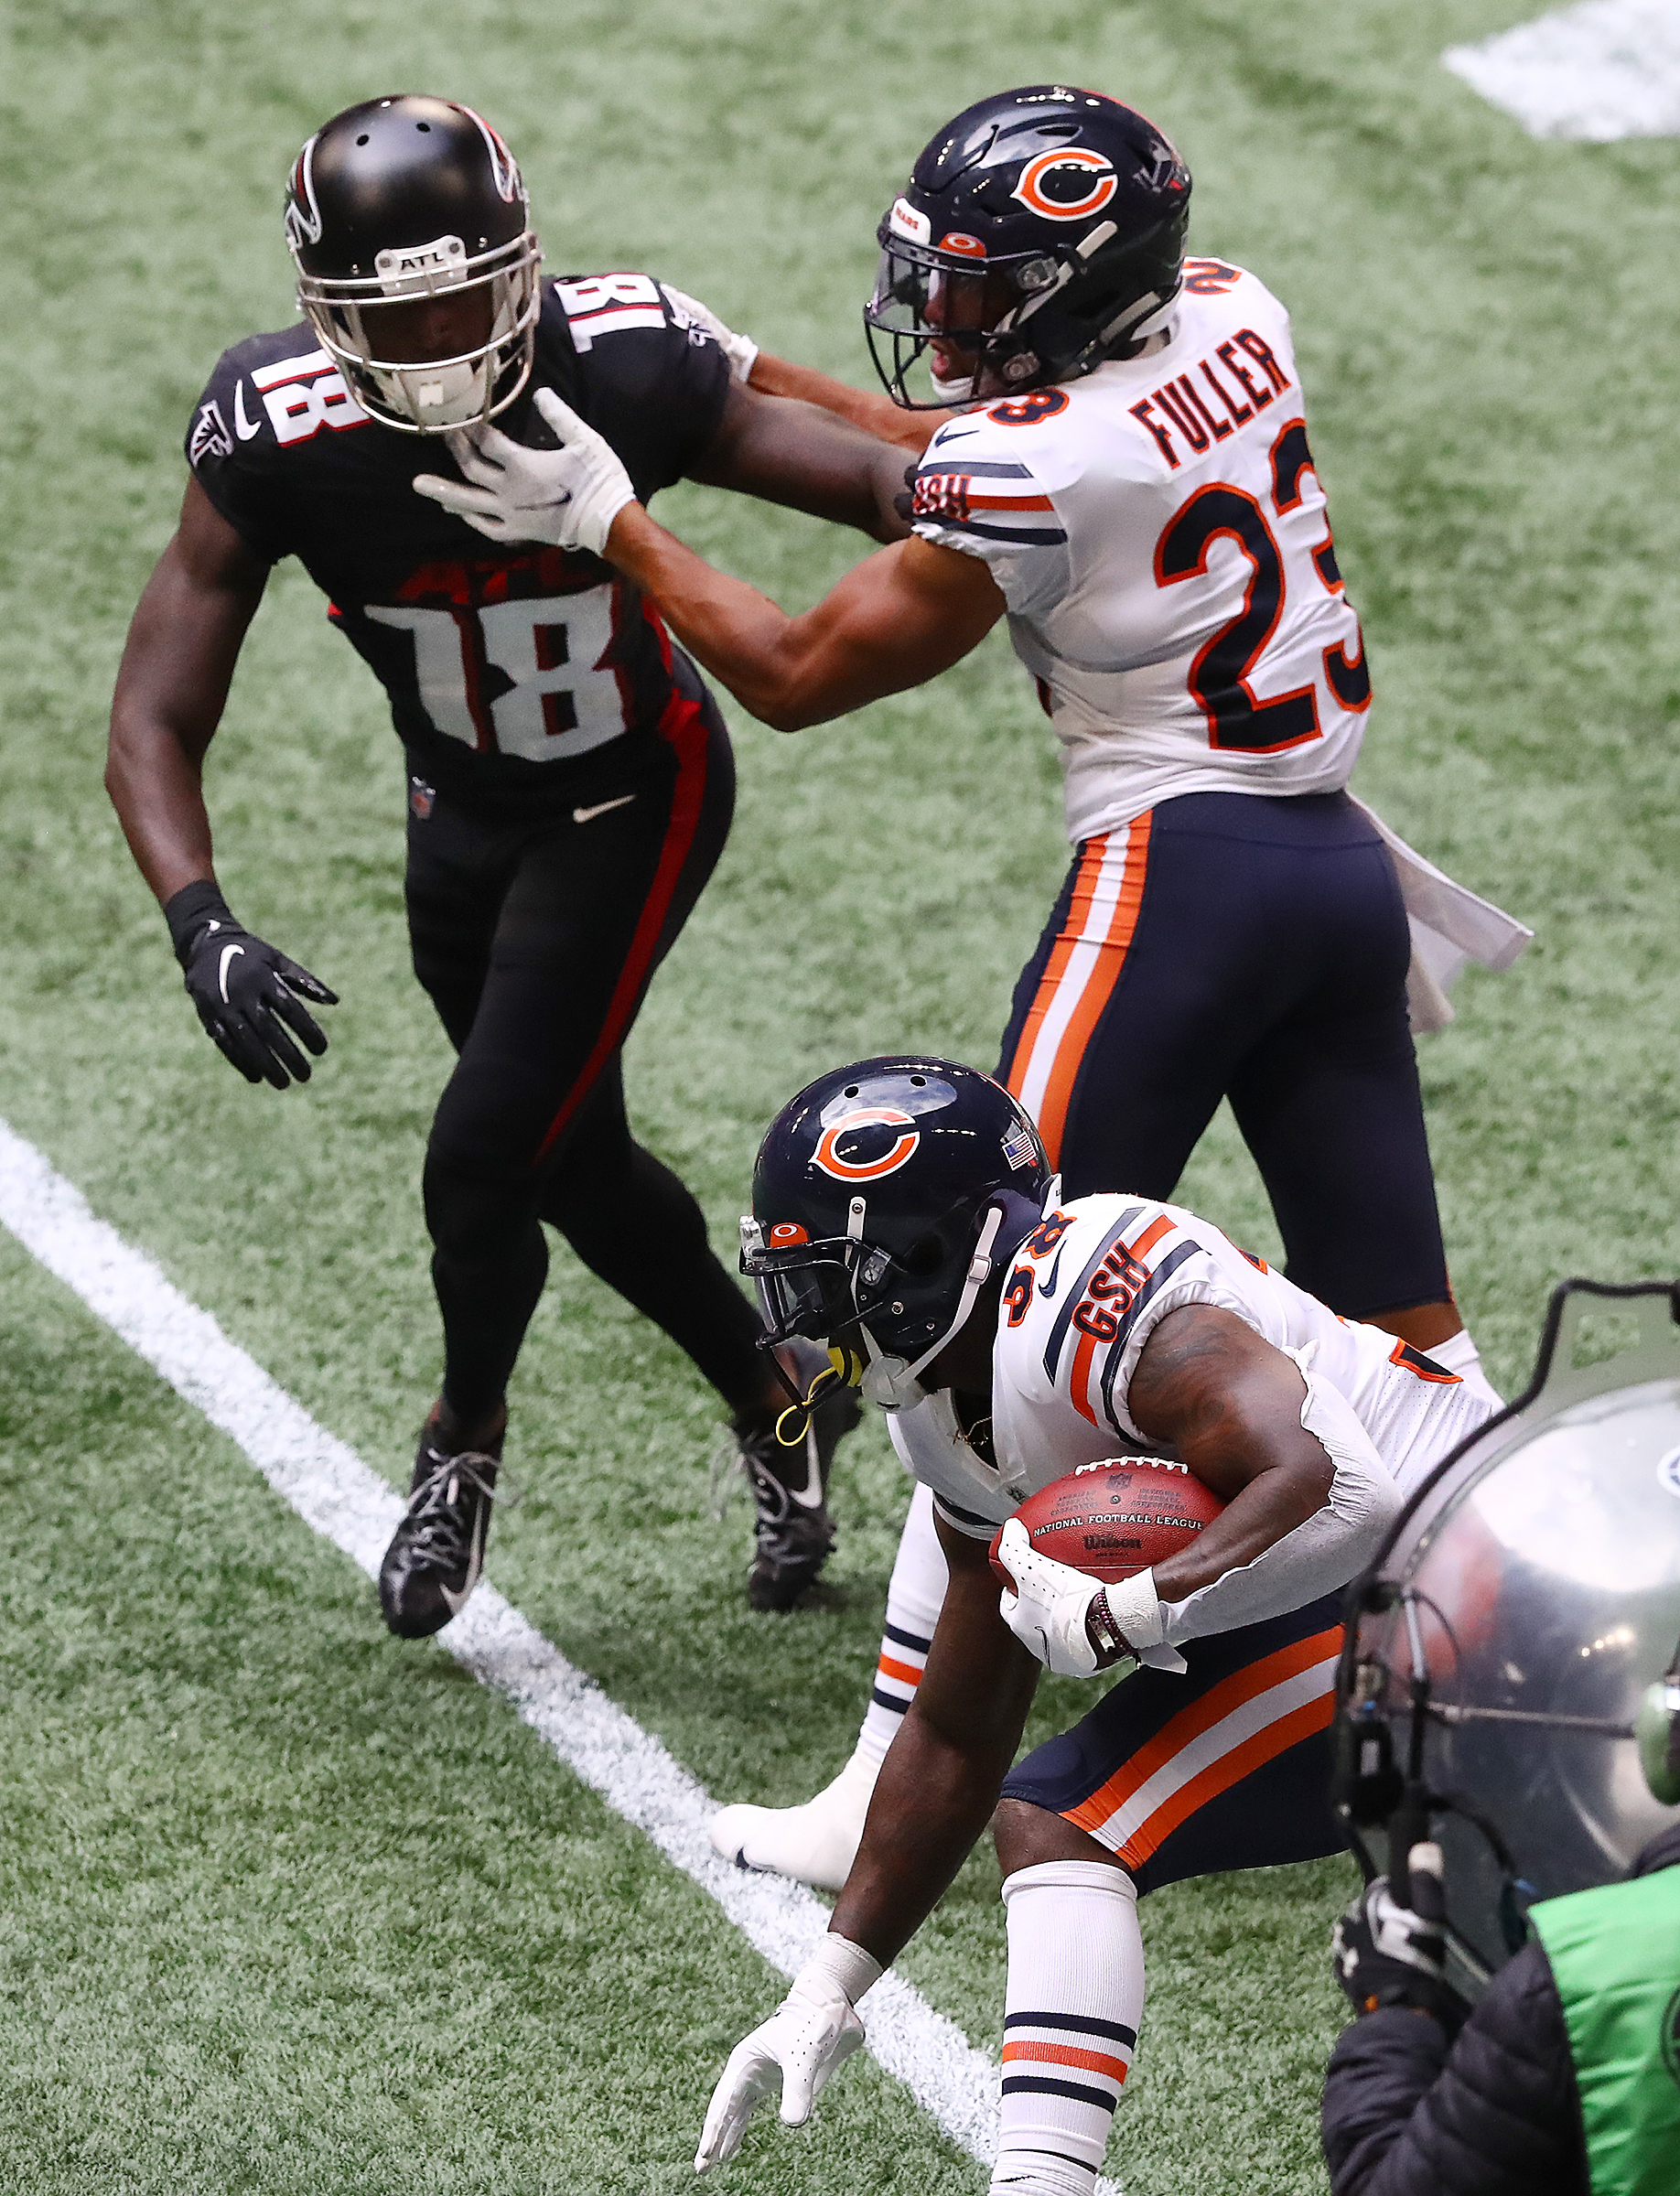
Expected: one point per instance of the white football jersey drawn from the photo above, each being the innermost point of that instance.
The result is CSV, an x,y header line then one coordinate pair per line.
x,y
1083,1296
1161,540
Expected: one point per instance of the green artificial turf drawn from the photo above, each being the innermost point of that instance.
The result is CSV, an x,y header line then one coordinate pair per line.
x,y
286,1900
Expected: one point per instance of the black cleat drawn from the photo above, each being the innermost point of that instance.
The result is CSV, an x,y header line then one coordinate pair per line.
x,y
438,1551
793,1532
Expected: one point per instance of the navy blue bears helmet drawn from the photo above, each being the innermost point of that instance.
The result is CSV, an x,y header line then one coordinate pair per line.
x,y
886,1196
1038,232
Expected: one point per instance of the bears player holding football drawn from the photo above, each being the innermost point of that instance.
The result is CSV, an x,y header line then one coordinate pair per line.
x,y
905,1214
570,780
1131,483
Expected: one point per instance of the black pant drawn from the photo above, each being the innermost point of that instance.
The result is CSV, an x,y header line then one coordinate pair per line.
x,y
536,935
1254,947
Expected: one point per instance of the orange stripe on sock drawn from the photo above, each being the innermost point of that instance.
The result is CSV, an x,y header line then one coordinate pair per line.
x,y
907,1673
1059,2054
1214,1706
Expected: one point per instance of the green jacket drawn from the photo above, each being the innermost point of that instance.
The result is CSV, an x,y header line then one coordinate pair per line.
x,y
1615,1957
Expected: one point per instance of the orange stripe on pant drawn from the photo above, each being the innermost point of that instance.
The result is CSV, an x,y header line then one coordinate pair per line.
x,y
1057,2054
1221,1775
682,727
1098,987
1215,1705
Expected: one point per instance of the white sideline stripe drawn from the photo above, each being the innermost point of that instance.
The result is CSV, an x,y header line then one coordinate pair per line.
x,y
346,1501
1607,70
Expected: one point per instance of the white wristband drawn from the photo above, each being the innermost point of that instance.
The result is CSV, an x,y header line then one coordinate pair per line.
x,y
847,1965
1135,1607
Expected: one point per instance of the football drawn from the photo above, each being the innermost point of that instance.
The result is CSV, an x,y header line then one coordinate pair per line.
x,y
1113,1519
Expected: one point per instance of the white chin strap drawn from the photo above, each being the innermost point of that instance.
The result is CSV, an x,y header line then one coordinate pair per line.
x,y
892,1381
435,396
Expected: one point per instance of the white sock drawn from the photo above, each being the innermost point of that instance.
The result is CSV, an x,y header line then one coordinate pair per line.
x,y
1459,1354
816,1842
914,1597
1072,2008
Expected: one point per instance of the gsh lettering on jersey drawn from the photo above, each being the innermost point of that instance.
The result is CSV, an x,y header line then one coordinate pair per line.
x,y
1160,537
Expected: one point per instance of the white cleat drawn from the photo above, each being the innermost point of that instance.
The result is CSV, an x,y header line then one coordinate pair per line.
x,y
814,1843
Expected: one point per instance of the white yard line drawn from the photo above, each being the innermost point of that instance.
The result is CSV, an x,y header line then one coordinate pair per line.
x,y
346,1501
1607,70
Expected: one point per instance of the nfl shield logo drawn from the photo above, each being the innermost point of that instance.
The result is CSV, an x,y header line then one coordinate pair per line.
x,y
420,799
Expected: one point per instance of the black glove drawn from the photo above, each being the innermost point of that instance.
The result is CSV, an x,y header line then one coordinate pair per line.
x,y
245,990
1389,1955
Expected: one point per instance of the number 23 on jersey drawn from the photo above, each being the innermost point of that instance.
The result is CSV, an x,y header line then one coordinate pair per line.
x,y
1220,676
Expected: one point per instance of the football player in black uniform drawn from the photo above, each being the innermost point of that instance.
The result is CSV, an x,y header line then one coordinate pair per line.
x,y
570,778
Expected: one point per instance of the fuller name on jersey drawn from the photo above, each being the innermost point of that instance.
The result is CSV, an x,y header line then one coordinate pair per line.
x,y
499,662
1084,1295
1160,538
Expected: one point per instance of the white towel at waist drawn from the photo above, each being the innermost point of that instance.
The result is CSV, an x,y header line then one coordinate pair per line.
x,y
1450,925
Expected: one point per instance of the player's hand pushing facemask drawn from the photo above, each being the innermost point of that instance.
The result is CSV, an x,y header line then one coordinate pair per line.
x,y
568,497
812,2031
247,994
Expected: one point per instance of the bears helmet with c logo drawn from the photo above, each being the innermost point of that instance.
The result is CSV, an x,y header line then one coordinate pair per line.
x,y
1038,230
886,1195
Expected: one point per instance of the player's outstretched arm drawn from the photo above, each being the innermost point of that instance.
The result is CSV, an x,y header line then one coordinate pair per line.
x,y
936,1793
939,1784
876,415
788,450
874,412
896,620
183,643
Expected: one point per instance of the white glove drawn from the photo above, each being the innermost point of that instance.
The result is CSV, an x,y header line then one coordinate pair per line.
x,y
812,2032
1047,1608
741,350
570,495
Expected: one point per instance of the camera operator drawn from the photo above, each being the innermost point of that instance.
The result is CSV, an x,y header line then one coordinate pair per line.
x,y
1564,2080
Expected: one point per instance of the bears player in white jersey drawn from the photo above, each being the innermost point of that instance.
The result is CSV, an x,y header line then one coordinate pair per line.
x,y
904,1212
1129,480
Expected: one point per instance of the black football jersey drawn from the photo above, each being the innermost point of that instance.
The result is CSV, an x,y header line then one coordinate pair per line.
x,y
499,662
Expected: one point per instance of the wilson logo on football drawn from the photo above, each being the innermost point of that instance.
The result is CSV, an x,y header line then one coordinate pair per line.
x,y
866,1162
1067,186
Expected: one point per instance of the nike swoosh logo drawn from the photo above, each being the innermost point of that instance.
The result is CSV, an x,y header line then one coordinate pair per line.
x,y
810,1496
455,1602
1047,1287
245,427
947,434
587,816
228,952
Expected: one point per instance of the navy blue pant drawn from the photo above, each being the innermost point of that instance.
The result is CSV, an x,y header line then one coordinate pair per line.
x,y
1225,1766
1250,947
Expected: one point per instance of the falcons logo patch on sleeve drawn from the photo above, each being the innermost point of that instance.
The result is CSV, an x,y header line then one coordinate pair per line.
x,y
210,434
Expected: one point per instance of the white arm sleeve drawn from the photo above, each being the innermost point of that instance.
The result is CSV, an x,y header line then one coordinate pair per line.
x,y
1332,1546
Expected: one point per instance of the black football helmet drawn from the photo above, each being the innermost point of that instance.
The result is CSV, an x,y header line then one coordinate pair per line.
x,y
1038,233
884,1197
406,198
